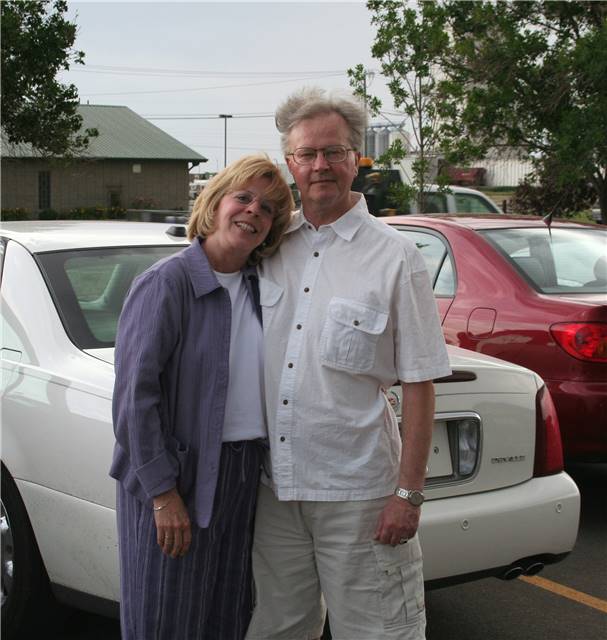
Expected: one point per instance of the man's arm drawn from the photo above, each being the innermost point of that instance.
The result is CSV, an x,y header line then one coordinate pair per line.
x,y
399,518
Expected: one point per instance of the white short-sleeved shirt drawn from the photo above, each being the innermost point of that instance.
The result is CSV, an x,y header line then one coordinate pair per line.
x,y
347,309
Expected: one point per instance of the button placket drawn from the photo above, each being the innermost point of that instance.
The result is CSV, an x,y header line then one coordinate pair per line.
x,y
285,421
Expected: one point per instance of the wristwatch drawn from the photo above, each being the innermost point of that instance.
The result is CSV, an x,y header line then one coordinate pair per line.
x,y
413,496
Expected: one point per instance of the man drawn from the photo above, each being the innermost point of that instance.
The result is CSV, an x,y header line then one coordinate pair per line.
x,y
348,310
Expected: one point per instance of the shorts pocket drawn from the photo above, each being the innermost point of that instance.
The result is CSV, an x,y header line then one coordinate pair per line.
x,y
350,335
401,583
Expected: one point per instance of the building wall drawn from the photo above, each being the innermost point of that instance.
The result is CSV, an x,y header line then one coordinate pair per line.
x,y
161,184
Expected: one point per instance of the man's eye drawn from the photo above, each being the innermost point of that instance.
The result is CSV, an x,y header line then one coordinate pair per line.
x,y
306,155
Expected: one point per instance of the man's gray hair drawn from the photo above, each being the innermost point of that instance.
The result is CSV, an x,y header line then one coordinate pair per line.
x,y
313,101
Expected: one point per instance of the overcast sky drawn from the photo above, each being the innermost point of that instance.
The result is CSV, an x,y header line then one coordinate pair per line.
x,y
203,59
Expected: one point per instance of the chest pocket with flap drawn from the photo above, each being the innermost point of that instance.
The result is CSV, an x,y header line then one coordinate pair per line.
x,y
350,335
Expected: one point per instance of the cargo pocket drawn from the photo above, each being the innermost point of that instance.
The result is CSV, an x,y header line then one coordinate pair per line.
x,y
350,335
401,583
269,294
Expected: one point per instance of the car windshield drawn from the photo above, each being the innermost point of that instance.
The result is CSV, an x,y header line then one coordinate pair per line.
x,y
564,260
89,287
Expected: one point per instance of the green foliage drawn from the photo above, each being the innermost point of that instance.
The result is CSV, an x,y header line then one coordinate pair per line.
x,y
529,76
17,213
37,43
409,43
544,193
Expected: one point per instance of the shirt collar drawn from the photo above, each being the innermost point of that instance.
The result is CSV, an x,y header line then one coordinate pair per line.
x,y
201,274
345,226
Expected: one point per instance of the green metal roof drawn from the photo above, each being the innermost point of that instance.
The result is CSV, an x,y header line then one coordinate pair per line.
x,y
123,135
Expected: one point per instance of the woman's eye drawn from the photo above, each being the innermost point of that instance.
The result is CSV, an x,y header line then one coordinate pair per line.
x,y
267,208
242,197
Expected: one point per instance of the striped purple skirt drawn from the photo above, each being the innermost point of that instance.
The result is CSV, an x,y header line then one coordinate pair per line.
x,y
206,594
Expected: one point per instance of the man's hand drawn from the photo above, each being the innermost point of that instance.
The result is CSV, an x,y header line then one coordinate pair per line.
x,y
173,528
398,521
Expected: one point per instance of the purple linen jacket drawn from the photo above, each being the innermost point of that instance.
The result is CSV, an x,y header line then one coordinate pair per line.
x,y
171,364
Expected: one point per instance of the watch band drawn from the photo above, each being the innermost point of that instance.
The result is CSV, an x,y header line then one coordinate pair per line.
x,y
412,496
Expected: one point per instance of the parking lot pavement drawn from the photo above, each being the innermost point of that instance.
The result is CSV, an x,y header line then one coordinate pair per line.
x,y
568,601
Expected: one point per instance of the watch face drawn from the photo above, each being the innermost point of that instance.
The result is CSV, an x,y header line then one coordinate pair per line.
x,y
416,498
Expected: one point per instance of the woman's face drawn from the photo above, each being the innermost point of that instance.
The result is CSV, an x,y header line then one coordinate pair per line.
x,y
243,220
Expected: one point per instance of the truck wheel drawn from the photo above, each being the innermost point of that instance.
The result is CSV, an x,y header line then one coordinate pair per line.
x,y
25,587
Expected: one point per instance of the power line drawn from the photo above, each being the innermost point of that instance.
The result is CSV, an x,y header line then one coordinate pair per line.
x,y
207,116
225,86
123,70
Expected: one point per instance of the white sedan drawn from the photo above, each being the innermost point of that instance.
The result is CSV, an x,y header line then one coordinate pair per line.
x,y
498,500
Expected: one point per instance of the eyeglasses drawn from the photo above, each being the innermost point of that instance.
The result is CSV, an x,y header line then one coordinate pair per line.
x,y
247,198
333,154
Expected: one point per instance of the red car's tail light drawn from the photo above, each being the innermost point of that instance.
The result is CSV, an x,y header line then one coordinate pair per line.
x,y
582,340
548,446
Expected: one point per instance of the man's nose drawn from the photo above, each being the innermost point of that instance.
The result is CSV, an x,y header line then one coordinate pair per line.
x,y
320,162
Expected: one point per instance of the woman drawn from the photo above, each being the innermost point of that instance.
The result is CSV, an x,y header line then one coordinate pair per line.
x,y
189,417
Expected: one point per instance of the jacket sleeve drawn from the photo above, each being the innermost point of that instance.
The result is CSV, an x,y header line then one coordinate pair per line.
x,y
148,331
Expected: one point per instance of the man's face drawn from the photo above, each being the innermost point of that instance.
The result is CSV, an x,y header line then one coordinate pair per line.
x,y
324,187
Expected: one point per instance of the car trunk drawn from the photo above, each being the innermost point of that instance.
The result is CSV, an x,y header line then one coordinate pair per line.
x,y
484,438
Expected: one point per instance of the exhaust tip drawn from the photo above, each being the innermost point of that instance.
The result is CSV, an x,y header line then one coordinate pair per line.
x,y
534,568
512,573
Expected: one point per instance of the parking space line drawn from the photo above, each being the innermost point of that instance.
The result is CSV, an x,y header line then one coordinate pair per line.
x,y
566,592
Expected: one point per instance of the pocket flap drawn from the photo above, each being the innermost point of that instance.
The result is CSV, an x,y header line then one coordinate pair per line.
x,y
269,292
355,314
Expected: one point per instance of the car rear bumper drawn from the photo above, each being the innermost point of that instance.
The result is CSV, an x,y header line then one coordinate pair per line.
x,y
487,532
581,407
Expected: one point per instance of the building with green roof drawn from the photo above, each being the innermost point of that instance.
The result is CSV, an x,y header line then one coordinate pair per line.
x,y
131,164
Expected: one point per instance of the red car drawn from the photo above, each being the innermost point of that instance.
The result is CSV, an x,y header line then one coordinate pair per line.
x,y
514,288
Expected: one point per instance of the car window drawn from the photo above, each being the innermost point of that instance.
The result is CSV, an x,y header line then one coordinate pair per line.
x,y
559,261
437,258
435,203
89,286
471,203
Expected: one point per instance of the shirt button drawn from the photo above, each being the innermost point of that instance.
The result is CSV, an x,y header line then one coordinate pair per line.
x,y
356,323
306,289
298,326
285,402
290,365
282,438
316,254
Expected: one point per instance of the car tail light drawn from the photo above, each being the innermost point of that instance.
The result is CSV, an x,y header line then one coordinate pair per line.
x,y
582,340
548,446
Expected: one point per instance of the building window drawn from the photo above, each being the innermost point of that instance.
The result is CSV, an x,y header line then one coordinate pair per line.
x,y
44,189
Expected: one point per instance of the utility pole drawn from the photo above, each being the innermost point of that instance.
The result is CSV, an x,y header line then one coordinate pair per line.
x,y
225,117
370,75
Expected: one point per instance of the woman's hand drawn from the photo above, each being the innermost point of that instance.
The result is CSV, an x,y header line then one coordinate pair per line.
x,y
173,528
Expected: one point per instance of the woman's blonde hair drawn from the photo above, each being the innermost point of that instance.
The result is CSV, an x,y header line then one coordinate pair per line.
x,y
236,176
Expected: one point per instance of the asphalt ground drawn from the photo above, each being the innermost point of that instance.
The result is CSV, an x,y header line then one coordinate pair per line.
x,y
566,601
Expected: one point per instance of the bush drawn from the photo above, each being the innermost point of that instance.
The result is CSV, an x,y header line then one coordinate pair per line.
x,y
549,196
14,214
79,213
95,213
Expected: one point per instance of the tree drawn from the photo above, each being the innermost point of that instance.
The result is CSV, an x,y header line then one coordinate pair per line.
x,y
410,41
37,42
523,75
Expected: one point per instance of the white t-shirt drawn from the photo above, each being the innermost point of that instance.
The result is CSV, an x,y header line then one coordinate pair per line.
x,y
245,415
348,309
